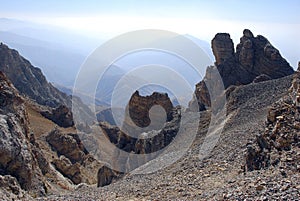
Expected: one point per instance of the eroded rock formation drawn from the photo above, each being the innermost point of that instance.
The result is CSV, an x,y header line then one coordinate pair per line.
x,y
139,107
67,144
255,60
222,46
74,161
61,115
148,141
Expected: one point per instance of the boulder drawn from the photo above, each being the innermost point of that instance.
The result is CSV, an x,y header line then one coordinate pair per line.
x,y
67,144
69,170
106,176
61,115
10,189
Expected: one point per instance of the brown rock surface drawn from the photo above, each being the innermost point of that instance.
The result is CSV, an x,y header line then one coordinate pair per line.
x,y
61,115
222,47
132,139
106,176
16,151
10,189
69,170
74,161
67,144
139,107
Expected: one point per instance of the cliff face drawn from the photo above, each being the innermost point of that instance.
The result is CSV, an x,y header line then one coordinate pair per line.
x,y
26,158
31,83
16,148
28,79
255,59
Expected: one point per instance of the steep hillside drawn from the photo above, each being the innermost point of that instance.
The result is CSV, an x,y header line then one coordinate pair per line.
x,y
223,173
220,175
28,79
31,83
18,154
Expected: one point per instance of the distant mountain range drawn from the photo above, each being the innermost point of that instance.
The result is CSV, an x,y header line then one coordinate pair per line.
x,y
60,53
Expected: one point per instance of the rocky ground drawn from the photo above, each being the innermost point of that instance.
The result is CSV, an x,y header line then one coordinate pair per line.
x,y
250,151
221,175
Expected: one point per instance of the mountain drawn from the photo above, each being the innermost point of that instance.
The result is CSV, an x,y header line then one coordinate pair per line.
x,y
58,52
255,60
28,79
60,65
223,169
40,148
247,150
31,83
37,156
247,124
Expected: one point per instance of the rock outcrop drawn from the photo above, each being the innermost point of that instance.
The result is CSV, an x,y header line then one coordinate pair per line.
x,y
16,151
74,161
61,115
28,79
139,107
147,143
69,170
279,144
10,189
31,83
255,60
222,46
68,145
27,161
106,176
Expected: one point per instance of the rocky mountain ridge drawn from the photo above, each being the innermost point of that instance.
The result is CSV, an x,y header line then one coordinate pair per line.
x,y
38,156
56,161
255,59
28,79
40,150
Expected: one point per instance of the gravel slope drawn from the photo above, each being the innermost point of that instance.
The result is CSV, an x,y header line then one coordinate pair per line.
x,y
219,176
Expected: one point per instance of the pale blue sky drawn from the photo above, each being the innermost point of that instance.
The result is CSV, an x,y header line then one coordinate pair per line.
x,y
278,20
254,10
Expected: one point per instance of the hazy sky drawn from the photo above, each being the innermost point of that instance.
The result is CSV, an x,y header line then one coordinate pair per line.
x,y
278,20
